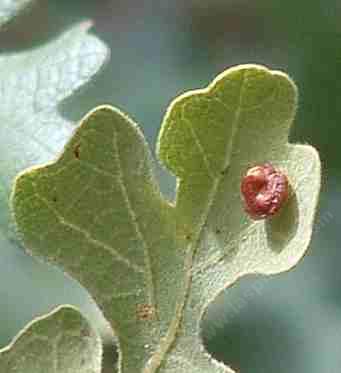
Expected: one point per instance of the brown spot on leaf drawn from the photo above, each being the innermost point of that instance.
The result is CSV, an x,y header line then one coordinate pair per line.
x,y
145,312
85,332
76,151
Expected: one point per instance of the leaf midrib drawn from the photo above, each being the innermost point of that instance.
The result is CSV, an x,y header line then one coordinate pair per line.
x,y
168,341
136,226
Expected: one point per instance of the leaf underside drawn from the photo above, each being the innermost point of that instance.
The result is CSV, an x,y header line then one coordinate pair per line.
x,y
61,341
153,266
33,83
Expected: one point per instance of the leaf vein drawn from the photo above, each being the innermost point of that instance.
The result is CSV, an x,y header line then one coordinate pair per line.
x,y
175,325
199,145
119,257
135,222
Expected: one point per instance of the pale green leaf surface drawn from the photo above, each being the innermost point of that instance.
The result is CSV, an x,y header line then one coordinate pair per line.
x,y
60,342
153,267
112,209
32,85
9,8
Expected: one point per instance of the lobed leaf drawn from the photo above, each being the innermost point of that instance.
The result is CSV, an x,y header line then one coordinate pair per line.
x,y
32,85
60,342
152,266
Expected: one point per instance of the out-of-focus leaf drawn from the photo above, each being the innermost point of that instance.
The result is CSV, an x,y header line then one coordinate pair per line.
x,y
60,342
32,85
9,8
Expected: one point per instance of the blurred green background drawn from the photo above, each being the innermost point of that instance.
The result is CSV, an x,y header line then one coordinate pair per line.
x,y
159,49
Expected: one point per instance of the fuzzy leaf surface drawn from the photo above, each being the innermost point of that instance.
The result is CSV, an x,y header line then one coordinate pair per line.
x,y
32,85
152,266
60,342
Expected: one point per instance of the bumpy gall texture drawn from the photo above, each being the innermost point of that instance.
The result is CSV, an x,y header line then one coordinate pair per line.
x,y
264,190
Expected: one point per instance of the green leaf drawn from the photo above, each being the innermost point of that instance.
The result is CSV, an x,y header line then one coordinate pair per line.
x,y
9,8
33,85
152,266
61,342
